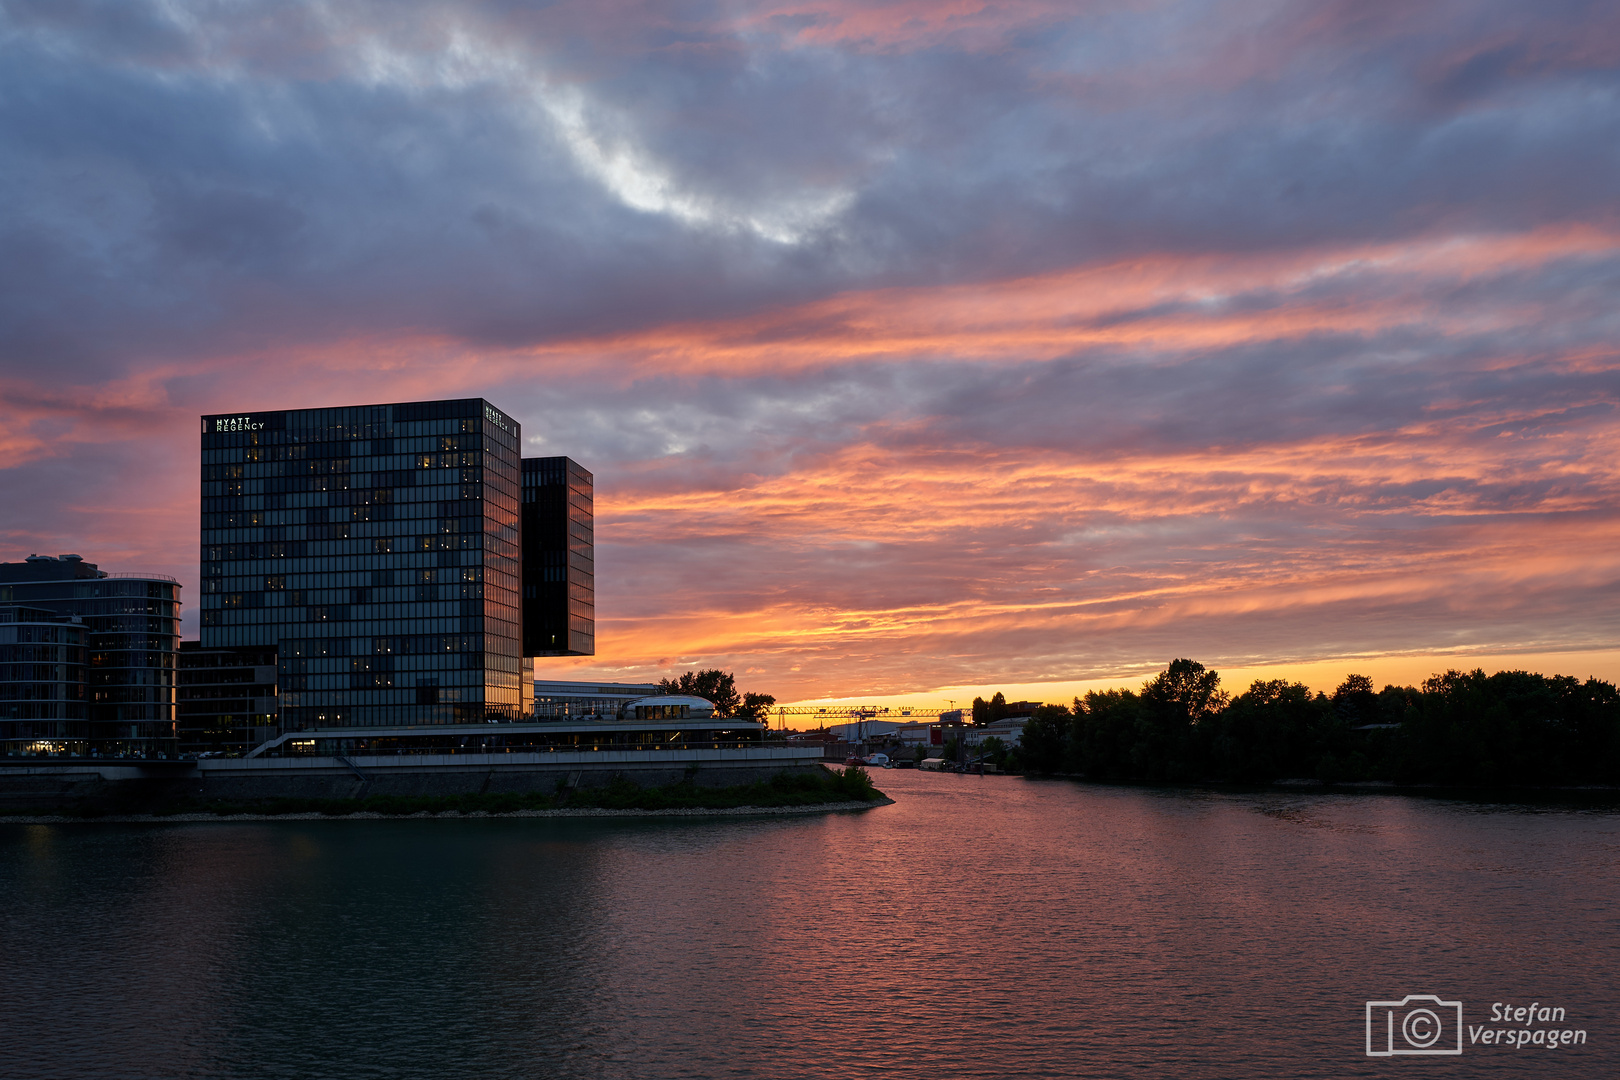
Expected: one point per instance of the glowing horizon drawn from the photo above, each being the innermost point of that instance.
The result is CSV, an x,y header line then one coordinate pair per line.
x,y
1322,676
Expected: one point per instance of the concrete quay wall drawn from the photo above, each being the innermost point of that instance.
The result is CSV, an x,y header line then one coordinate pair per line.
x,y
131,785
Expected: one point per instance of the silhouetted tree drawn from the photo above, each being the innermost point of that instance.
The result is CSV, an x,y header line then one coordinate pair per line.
x,y
988,712
1464,728
995,751
1109,726
717,686
1511,727
1185,690
1046,739
1264,734
1182,695
1355,701
756,707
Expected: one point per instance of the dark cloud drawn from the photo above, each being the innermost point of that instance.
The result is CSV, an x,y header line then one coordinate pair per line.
x,y
378,165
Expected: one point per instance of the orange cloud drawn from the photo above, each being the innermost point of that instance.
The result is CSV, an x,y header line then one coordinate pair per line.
x,y
1458,553
1139,307
903,554
1112,307
902,24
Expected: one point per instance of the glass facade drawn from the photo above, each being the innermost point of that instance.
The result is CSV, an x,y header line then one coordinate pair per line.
x,y
559,559
599,700
44,682
132,625
226,698
377,549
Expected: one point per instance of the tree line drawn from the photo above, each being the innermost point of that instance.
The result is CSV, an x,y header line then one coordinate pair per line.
x,y
988,712
1458,728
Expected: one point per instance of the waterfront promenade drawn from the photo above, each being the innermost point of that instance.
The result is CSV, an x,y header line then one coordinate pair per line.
x,y
53,782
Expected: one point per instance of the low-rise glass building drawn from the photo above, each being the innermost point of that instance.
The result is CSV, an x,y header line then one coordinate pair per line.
x,y
132,638
44,682
555,700
226,698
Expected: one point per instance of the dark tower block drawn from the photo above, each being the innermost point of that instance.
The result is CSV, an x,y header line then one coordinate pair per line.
x,y
559,559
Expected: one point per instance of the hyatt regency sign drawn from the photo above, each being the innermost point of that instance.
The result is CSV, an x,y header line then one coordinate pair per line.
x,y
231,423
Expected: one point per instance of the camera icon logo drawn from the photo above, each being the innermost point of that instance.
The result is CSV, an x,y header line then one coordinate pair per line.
x,y
1416,1024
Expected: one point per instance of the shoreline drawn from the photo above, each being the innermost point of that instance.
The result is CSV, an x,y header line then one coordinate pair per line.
x,y
421,815
1449,792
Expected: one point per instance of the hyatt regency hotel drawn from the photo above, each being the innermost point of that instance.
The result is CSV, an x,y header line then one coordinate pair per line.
x,y
403,561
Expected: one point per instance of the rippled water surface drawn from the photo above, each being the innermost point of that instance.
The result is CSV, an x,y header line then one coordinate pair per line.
x,y
979,927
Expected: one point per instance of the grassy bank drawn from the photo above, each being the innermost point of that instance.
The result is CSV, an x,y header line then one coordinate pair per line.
x,y
782,790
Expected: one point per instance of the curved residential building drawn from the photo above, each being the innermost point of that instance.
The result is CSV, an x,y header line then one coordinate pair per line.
x,y
131,637
44,698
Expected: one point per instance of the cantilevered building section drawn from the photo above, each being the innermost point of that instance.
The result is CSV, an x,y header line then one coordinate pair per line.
x,y
559,561
227,698
377,550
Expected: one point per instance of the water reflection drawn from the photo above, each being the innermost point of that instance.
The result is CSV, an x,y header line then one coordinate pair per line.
x,y
979,927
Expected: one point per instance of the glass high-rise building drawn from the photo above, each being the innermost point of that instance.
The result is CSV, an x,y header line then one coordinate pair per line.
x,y
377,549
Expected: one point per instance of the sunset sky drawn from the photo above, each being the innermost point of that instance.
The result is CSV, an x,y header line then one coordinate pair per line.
x,y
917,348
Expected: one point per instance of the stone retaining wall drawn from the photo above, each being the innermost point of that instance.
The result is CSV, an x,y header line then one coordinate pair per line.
x,y
130,786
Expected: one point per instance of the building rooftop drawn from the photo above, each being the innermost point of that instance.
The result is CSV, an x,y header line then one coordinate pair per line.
x,y
50,568
553,688
66,568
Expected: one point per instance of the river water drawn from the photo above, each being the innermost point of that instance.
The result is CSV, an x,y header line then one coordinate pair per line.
x,y
979,927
